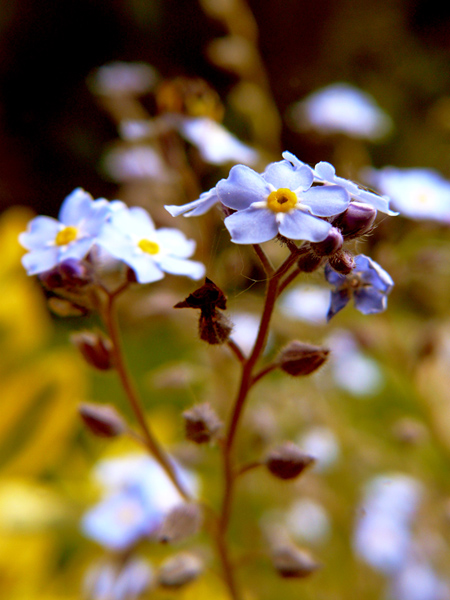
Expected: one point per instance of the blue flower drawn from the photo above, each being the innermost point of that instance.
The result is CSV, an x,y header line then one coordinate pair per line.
x,y
51,241
131,237
325,174
368,283
416,193
281,200
110,580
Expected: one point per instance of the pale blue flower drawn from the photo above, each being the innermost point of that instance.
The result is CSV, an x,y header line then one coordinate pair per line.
x,y
51,241
341,108
281,200
130,236
325,174
416,193
114,581
368,283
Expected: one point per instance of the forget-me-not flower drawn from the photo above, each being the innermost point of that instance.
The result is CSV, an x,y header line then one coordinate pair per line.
x,y
110,581
368,283
341,108
281,200
50,241
325,174
416,193
130,236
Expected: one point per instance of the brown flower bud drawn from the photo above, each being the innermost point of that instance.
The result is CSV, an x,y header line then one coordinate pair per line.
x,y
357,220
342,262
208,295
302,359
102,419
95,347
214,328
179,570
181,522
291,561
330,245
288,461
201,423
309,261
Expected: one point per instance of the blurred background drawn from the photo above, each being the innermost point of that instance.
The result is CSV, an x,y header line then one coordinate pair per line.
x,y
377,416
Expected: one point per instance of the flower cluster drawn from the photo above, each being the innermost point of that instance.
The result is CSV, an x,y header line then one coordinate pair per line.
x,y
289,198
127,234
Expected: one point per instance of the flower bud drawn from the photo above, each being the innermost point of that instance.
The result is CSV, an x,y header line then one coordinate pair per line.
x,y
65,308
309,261
179,570
301,359
102,419
357,220
96,349
201,423
75,272
291,561
51,279
288,461
330,245
181,522
342,262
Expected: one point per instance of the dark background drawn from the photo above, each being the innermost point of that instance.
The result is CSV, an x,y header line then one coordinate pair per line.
x,y
52,131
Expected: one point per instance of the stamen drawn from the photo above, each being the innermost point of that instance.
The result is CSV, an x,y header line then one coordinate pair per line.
x,y
148,246
66,235
282,200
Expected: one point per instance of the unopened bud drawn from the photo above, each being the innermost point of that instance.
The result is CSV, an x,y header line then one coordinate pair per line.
x,y
51,279
302,359
75,272
65,308
181,522
102,419
288,461
291,561
201,423
330,245
96,349
309,261
357,220
214,328
179,570
342,262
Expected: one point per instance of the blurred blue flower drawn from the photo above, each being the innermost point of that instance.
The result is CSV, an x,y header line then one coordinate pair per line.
x,y
416,193
108,581
138,497
325,174
368,283
51,241
341,108
281,200
130,236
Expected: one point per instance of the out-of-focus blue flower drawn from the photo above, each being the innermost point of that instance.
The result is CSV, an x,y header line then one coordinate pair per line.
x,y
107,581
383,532
415,193
215,143
51,241
321,443
368,283
281,200
131,237
417,580
307,303
137,162
308,521
352,370
325,174
341,108
122,79
138,497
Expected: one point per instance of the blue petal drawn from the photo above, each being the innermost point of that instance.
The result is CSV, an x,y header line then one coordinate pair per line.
x,y
39,261
145,268
326,200
283,175
75,207
243,187
196,208
252,226
175,242
339,299
177,266
299,225
333,276
41,231
373,274
369,300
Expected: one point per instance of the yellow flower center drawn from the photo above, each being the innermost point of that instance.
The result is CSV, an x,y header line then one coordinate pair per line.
x,y
282,200
148,246
66,235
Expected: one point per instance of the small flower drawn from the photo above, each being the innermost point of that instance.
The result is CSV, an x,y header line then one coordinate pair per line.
x,y
325,174
215,143
341,108
51,241
131,237
125,163
368,283
110,581
416,193
281,200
